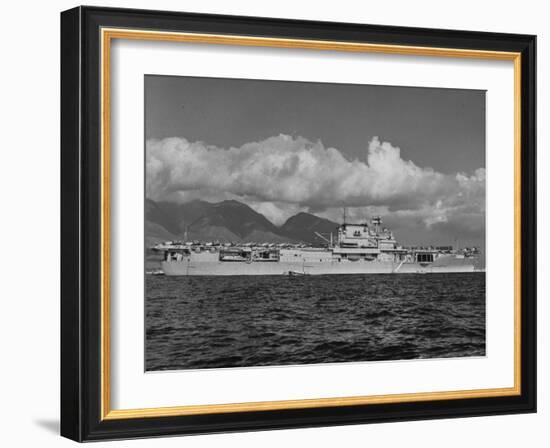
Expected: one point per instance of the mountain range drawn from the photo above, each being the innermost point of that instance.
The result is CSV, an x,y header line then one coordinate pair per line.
x,y
227,221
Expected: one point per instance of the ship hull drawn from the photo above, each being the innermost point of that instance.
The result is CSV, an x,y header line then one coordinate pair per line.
x,y
220,268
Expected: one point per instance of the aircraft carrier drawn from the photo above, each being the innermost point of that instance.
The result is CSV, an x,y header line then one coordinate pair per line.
x,y
364,248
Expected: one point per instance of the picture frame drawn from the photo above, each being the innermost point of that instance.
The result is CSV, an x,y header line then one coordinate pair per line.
x,y
87,34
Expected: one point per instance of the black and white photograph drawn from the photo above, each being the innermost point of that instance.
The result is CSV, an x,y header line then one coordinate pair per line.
x,y
283,220
295,223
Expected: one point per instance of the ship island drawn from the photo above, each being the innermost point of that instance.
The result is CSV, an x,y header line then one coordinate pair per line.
x,y
355,248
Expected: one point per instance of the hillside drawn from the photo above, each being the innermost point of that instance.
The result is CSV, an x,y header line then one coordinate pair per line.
x,y
304,225
227,221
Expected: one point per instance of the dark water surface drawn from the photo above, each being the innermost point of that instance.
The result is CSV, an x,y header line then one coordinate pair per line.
x,y
213,322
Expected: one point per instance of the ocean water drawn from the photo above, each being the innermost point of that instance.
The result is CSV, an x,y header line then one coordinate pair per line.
x,y
242,321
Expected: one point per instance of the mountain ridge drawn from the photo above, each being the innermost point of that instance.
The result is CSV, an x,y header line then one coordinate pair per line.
x,y
227,221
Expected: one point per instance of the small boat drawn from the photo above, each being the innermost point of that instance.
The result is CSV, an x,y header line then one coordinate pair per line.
x,y
155,272
295,274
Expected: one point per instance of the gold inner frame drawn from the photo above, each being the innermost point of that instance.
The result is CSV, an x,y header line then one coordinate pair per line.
x,y
107,35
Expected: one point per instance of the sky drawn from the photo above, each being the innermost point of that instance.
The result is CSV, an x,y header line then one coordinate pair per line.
x,y
416,156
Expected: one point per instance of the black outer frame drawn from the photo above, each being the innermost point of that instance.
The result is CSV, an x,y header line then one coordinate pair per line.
x,y
80,224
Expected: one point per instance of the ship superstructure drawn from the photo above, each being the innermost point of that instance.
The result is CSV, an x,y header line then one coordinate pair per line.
x,y
364,248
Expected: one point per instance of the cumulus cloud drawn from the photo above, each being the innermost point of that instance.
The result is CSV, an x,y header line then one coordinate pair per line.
x,y
282,175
